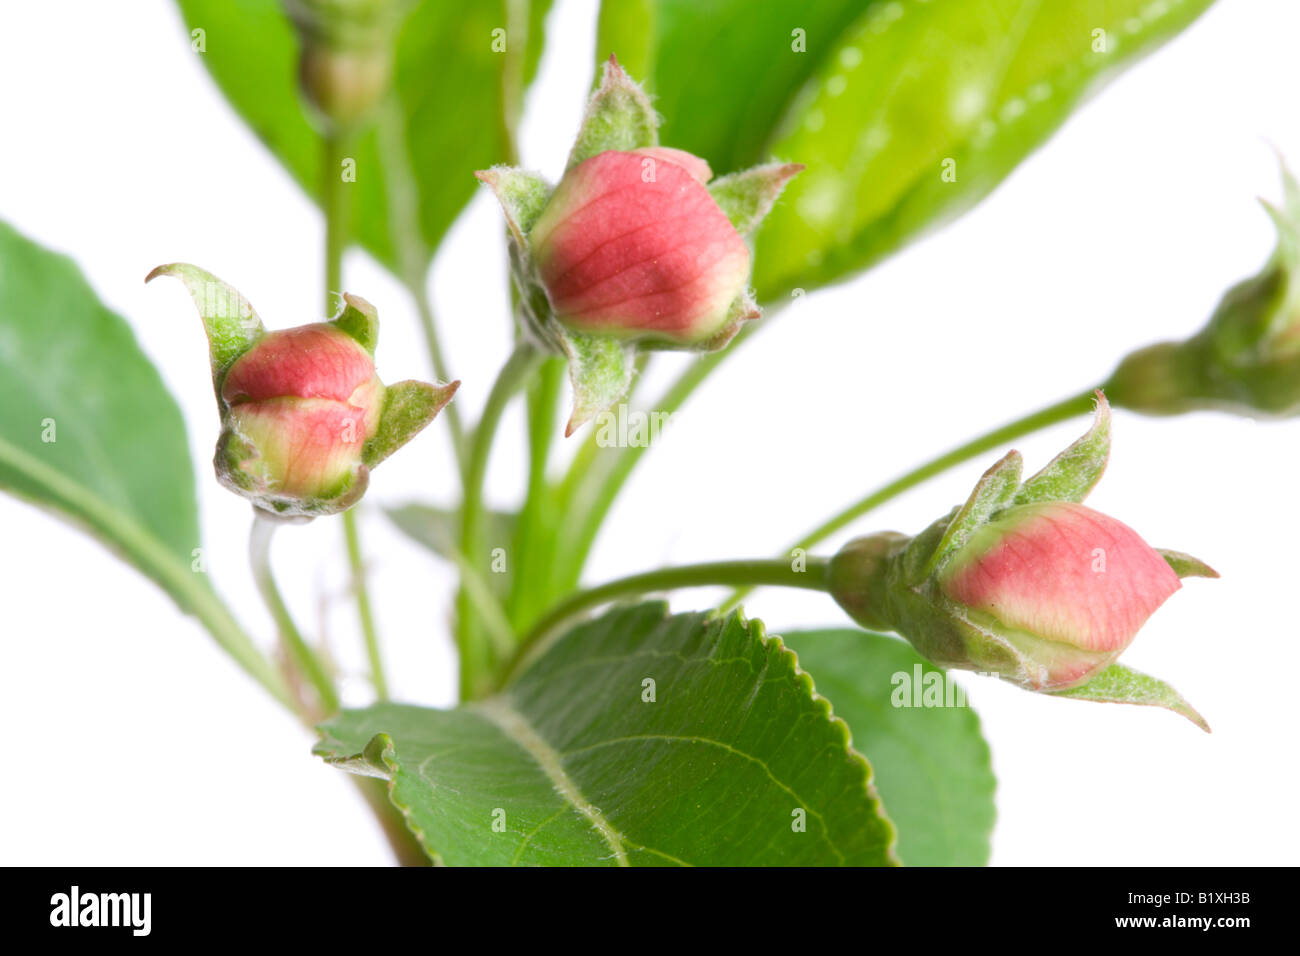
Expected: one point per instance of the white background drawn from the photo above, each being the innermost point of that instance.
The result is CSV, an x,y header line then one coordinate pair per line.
x,y
131,739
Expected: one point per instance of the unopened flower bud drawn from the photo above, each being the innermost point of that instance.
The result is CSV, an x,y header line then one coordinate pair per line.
x,y
304,416
302,403
1066,586
345,61
1023,581
637,248
632,245
1247,358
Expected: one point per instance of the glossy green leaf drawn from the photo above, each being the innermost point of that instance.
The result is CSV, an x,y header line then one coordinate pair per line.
x,y
906,113
89,432
415,169
637,738
932,764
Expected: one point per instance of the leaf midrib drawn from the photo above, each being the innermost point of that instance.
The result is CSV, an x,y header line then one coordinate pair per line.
x,y
516,727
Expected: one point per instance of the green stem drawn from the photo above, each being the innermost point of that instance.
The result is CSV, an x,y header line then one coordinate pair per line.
x,y
429,326
475,658
512,76
303,658
589,490
413,252
338,208
364,611
779,573
1051,415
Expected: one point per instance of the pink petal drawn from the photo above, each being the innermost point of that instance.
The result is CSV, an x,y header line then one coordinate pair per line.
x,y
1065,573
306,446
697,167
311,361
617,254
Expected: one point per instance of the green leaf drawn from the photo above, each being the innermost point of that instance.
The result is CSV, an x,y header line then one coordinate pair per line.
x,y
576,766
873,96
415,169
1118,684
1072,474
89,432
932,764
438,529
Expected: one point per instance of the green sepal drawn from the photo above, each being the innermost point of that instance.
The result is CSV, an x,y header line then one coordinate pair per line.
x,y
601,370
992,491
1186,566
1072,474
228,318
360,320
1118,684
747,196
408,407
619,116
742,309
522,194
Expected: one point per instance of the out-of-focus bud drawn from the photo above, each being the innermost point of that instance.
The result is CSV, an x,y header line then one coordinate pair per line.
x,y
304,416
637,248
1024,582
1247,358
346,57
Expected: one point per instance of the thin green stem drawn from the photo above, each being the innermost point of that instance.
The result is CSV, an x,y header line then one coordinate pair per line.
x,y
512,76
537,524
412,251
304,660
591,486
429,326
364,611
475,657
781,573
1051,415
338,209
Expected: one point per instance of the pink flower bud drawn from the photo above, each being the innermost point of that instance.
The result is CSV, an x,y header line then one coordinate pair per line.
x,y
1067,586
632,244
302,403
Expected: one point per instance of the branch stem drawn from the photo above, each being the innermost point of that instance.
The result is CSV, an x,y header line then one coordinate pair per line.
x,y
1051,415
781,573
475,653
296,649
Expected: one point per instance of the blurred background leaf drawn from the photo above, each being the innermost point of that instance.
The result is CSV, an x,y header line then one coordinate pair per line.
x,y
932,766
89,432
878,98
415,167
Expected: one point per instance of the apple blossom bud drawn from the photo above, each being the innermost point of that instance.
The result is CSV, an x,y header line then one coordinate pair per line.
x,y
632,245
304,417
1023,581
1067,586
346,59
1247,358
302,403
636,249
